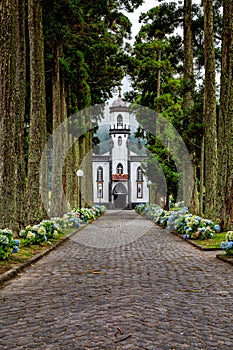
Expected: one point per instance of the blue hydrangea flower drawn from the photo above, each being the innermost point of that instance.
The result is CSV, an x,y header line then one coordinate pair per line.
x,y
15,249
223,245
229,245
17,242
217,228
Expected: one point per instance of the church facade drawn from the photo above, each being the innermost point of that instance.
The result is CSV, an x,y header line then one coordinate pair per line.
x,y
118,178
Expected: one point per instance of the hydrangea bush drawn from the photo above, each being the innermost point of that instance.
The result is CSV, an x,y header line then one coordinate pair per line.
x,y
47,229
195,227
8,245
37,234
52,228
71,220
88,214
228,244
183,222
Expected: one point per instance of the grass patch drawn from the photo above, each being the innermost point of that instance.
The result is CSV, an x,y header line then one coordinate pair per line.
x,y
27,252
175,209
214,242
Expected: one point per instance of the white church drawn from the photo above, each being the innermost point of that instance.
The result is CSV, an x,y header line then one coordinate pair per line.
x,y
118,178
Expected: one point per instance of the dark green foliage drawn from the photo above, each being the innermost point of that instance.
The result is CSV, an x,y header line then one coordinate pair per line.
x,y
91,36
156,70
162,20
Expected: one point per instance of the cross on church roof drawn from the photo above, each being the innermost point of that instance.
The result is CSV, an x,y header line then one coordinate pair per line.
x,y
119,89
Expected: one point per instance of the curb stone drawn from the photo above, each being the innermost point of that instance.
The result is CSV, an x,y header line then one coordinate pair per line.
x,y
6,276
224,258
218,256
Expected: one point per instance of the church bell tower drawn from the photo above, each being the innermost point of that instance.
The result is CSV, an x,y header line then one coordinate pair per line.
x,y
119,153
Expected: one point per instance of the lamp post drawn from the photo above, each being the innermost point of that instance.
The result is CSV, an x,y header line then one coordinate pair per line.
x,y
149,183
80,175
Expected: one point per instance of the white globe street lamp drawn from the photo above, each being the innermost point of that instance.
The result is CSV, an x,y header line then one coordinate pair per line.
x,y
79,173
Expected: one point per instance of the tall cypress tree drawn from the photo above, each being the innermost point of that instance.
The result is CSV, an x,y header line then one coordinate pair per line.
x,y
20,106
7,112
188,94
210,133
35,208
225,133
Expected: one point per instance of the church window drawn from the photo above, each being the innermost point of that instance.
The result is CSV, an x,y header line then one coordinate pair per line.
x,y
100,174
139,190
139,174
119,120
119,140
119,168
100,190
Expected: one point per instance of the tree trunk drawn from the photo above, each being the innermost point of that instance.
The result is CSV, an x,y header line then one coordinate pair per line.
x,y
188,101
158,80
225,135
20,171
90,174
82,163
201,206
7,112
65,140
71,166
37,111
188,58
88,171
194,206
210,133
56,195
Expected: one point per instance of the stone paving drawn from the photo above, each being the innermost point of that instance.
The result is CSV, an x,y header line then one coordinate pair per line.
x,y
120,283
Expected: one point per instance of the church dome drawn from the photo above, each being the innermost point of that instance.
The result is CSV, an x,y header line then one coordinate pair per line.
x,y
118,104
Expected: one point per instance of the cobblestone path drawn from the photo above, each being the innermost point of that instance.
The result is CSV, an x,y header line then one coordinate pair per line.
x,y
120,283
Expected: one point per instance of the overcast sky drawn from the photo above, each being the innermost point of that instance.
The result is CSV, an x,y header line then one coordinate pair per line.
x,y
134,17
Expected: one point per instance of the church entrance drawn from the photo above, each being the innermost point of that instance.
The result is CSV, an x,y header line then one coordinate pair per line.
x,y
119,201
119,196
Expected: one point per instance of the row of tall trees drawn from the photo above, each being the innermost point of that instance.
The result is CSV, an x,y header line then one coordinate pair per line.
x,y
60,57
56,58
166,68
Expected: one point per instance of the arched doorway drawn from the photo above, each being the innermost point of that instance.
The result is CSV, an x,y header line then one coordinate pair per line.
x,y
119,196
